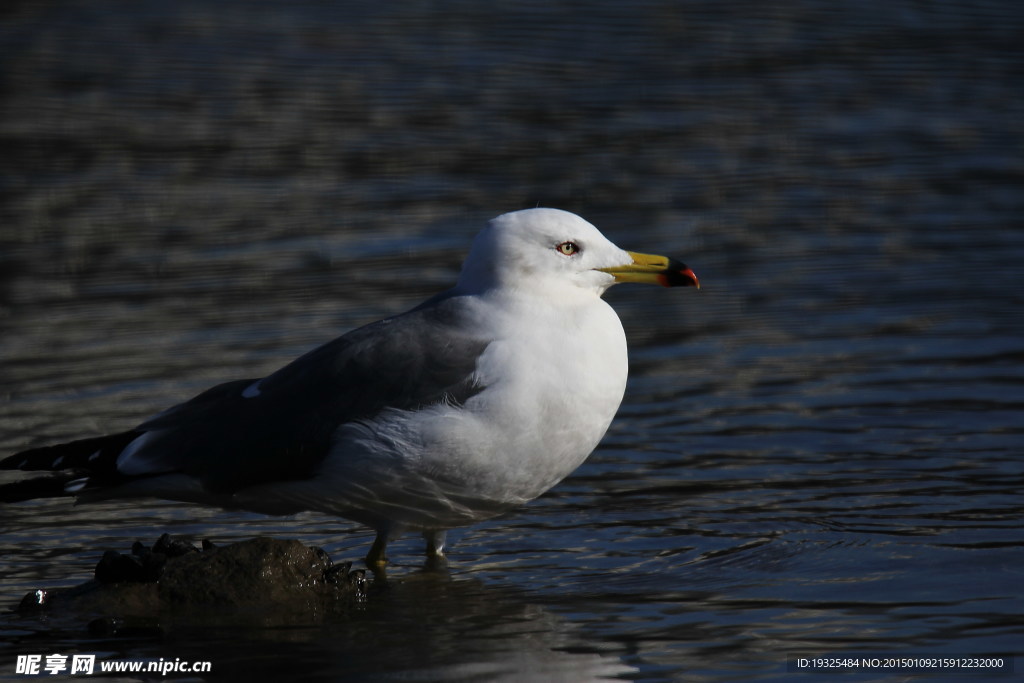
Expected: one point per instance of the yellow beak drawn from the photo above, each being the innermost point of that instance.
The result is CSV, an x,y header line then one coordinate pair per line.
x,y
655,270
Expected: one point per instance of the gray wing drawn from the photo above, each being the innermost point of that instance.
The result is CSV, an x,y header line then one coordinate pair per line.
x,y
244,433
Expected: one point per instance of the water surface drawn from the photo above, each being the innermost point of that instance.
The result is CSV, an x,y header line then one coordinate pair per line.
x,y
819,453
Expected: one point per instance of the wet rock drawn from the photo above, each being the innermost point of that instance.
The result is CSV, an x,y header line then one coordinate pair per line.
x,y
144,564
35,601
171,547
115,567
258,571
132,593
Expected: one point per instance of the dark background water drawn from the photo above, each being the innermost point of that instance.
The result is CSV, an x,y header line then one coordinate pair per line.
x,y
820,453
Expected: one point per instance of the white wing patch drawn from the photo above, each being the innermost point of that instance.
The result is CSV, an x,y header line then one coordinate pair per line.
x,y
253,390
128,462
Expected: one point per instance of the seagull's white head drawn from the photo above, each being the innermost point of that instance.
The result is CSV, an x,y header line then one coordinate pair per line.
x,y
553,248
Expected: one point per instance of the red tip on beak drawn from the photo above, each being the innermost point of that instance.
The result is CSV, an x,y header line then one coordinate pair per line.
x,y
678,275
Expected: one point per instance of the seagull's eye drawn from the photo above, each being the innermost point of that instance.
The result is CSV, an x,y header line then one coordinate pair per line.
x,y
568,248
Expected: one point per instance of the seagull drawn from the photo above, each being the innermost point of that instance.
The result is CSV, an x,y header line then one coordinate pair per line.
x,y
476,401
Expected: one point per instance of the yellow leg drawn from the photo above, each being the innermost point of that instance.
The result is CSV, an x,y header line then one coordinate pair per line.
x,y
376,558
436,561
435,543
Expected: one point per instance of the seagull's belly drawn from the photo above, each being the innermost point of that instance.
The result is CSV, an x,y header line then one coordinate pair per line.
x,y
543,412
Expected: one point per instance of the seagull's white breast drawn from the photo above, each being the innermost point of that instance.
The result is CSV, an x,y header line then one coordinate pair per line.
x,y
554,375
555,380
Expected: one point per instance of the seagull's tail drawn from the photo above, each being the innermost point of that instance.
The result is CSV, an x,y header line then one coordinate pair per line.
x,y
71,462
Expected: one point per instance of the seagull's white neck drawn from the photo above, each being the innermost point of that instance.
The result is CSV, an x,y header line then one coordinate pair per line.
x,y
549,292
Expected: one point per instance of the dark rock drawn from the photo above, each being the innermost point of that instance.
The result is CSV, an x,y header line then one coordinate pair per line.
x,y
258,571
283,581
95,599
173,547
114,567
35,601
142,566
339,573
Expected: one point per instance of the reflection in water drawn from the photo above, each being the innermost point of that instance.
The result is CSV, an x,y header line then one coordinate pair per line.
x,y
469,631
820,452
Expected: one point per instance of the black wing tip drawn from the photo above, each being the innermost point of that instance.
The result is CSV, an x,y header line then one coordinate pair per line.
x,y
95,454
38,487
24,460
